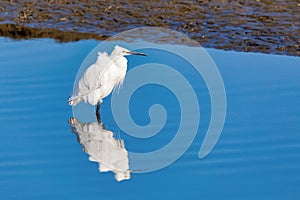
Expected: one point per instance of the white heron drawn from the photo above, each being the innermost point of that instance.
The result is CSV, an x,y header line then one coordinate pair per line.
x,y
102,77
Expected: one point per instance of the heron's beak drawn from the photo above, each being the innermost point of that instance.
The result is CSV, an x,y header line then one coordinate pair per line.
x,y
136,53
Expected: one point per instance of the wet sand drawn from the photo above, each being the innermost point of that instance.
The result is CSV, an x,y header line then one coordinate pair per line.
x,y
257,26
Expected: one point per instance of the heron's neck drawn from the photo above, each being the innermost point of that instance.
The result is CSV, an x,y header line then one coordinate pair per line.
x,y
120,61
114,55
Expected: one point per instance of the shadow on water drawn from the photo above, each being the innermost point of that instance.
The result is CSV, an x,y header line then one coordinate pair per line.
x,y
101,146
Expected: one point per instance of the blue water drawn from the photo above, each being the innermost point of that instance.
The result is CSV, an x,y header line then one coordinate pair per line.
x,y
257,155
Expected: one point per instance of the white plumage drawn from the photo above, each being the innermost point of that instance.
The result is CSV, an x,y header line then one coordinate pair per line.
x,y
102,77
102,148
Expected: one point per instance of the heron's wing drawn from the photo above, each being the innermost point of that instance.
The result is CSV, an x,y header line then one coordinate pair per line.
x,y
93,76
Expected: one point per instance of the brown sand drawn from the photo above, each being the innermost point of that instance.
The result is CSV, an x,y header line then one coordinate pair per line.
x,y
271,26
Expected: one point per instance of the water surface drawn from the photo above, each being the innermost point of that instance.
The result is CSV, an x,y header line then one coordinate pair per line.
x,y
257,155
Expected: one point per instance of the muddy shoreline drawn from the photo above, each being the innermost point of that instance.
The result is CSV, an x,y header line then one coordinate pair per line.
x,y
257,26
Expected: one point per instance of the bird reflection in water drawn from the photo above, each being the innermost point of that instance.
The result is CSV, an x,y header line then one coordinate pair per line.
x,y
97,82
102,147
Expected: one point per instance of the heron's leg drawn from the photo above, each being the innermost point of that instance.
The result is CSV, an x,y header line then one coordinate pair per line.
x,y
98,112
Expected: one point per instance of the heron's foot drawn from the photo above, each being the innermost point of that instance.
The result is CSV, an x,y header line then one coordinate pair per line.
x,y
71,101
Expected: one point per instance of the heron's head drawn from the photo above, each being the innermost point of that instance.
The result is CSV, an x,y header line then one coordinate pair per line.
x,y
125,52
